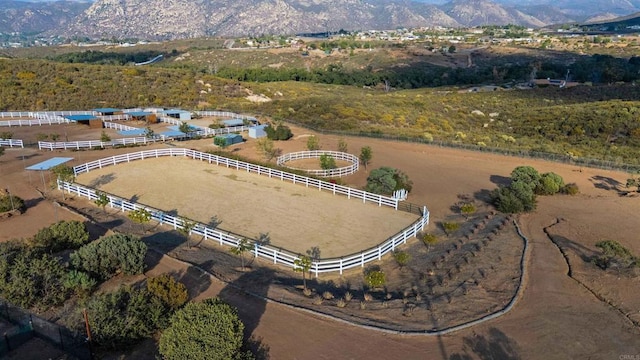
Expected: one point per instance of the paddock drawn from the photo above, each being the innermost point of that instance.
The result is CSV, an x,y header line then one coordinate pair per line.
x,y
295,217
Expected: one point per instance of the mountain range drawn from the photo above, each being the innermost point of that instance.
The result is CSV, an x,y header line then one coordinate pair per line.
x,y
171,19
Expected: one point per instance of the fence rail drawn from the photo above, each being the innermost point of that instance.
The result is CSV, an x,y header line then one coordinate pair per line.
x,y
226,114
90,144
316,154
114,117
35,122
11,143
276,255
119,127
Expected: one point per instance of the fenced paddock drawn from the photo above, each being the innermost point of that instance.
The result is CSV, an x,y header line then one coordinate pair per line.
x,y
271,252
316,154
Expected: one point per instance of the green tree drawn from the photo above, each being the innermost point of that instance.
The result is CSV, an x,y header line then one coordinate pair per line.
x,y
280,132
327,162
313,143
59,236
79,283
104,137
186,128
342,145
207,330
302,265
141,216
102,200
185,228
365,156
64,173
267,148
381,181
10,202
110,255
243,246
29,278
172,293
125,316
550,184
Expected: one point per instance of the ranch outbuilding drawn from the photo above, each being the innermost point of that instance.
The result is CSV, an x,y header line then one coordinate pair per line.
x,y
227,139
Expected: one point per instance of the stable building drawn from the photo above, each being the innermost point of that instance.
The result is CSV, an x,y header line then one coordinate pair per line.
x,y
145,116
183,115
107,111
93,121
227,139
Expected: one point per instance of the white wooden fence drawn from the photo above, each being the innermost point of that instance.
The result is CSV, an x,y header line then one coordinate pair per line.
x,y
11,143
278,256
114,117
44,145
226,114
316,154
119,127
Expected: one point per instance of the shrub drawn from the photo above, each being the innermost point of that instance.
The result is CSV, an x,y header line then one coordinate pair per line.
x,y
61,235
341,303
467,209
374,279
124,317
111,254
429,240
327,295
348,296
79,283
28,279
570,189
281,132
327,162
550,184
402,258
450,227
166,288
11,202
386,180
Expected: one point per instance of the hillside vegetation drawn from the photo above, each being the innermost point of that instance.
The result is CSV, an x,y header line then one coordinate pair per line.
x,y
349,96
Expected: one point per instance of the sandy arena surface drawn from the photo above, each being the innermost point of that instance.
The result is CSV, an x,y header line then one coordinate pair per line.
x,y
295,217
557,317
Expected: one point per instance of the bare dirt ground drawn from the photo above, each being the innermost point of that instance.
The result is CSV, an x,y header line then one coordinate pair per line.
x,y
560,315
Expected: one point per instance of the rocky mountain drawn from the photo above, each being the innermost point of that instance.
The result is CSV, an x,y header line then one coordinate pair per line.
x,y
169,19
27,17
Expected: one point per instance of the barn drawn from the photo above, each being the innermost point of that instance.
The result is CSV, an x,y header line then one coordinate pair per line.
x,y
227,139
257,132
147,117
178,114
91,120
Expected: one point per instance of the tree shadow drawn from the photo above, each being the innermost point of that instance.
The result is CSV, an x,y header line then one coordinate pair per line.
x,y
165,242
134,199
483,195
494,345
500,180
102,180
27,157
607,183
586,254
248,293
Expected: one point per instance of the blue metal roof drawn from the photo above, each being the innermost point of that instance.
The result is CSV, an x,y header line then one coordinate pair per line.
x,y
233,122
48,164
84,117
175,112
173,133
229,136
132,132
139,113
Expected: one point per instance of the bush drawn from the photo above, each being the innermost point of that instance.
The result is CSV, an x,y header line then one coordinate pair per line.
x,y
124,317
550,184
386,180
28,279
402,258
171,292
375,279
61,235
79,283
429,240
327,162
450,227
571,189
281,132
11,202
207,330
109,255
614,255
